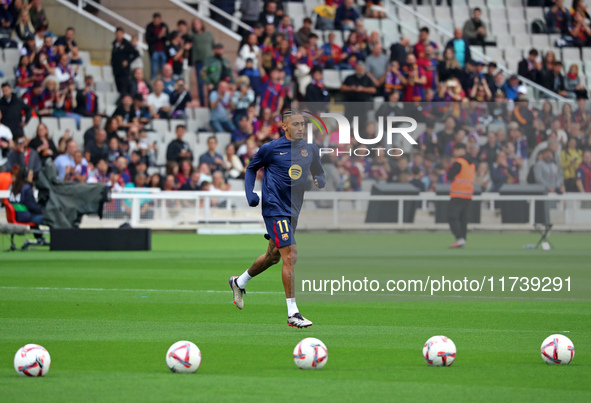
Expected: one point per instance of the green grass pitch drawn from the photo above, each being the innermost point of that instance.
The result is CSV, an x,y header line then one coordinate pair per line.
x,y
107,319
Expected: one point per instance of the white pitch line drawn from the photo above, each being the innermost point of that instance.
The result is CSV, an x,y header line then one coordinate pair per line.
x,y
128,290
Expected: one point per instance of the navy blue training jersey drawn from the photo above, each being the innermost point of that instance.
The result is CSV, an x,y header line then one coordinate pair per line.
x,y
287,165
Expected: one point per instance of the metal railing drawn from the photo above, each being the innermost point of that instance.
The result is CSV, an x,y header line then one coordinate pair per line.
x,y
199,208
203,209
475,51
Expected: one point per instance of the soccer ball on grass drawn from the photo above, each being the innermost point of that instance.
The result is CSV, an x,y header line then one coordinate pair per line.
x,y
183,357
439,351
310,353
32,360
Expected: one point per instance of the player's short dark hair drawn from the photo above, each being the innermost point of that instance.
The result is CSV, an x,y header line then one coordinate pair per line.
x,y
459,146
425,30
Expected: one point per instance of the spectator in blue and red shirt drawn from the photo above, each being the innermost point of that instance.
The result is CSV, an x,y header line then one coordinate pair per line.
x,y
346,16
583,179
558,19
274,92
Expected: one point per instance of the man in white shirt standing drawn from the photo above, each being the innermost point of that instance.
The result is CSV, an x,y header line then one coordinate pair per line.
x,y
159,101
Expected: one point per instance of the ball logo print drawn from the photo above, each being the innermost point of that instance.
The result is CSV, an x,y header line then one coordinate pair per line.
x,y
32,360
183,357
557,349
439,351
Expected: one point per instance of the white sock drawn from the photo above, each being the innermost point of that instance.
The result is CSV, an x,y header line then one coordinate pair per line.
x,y
292,308
243,279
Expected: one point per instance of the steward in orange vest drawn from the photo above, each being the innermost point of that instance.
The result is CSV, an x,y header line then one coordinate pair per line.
x,y
461,175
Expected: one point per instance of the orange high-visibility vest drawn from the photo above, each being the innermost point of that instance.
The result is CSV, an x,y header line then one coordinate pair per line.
x,y
463,184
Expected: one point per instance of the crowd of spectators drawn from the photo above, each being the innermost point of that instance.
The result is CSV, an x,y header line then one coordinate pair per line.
x,y
458,98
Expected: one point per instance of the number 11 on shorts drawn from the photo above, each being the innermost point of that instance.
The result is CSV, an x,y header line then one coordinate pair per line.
x,y
281,226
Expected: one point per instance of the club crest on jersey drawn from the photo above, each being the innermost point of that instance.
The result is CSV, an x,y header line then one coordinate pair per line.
x,y
285,237
304,153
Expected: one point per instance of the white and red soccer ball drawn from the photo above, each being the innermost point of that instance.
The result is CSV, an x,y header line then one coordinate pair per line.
x,y
32,360
439,351
557,350
310,353
183,357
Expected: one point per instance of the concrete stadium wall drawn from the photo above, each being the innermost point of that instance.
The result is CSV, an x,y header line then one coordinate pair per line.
x,y
90,36
140,12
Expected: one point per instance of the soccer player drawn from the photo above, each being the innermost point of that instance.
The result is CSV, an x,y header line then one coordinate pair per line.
x,y
287,162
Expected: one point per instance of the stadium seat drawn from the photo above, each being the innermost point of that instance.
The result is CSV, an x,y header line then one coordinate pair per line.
x,y
494,53
539,41
102,98
295,9
522,41
108,74
331,79
519,28
52,126
68,124
160,125
223,140
176,122
515,14
442,13
31,127
85,56
11,56
425,11
111,98
202,117
103,86
95,72
110,109
343,74
534,13
192,126
571,54
495,4
85,124
372,24
477,3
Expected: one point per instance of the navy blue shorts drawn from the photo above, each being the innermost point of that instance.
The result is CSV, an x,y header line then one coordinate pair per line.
x,y
280,230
